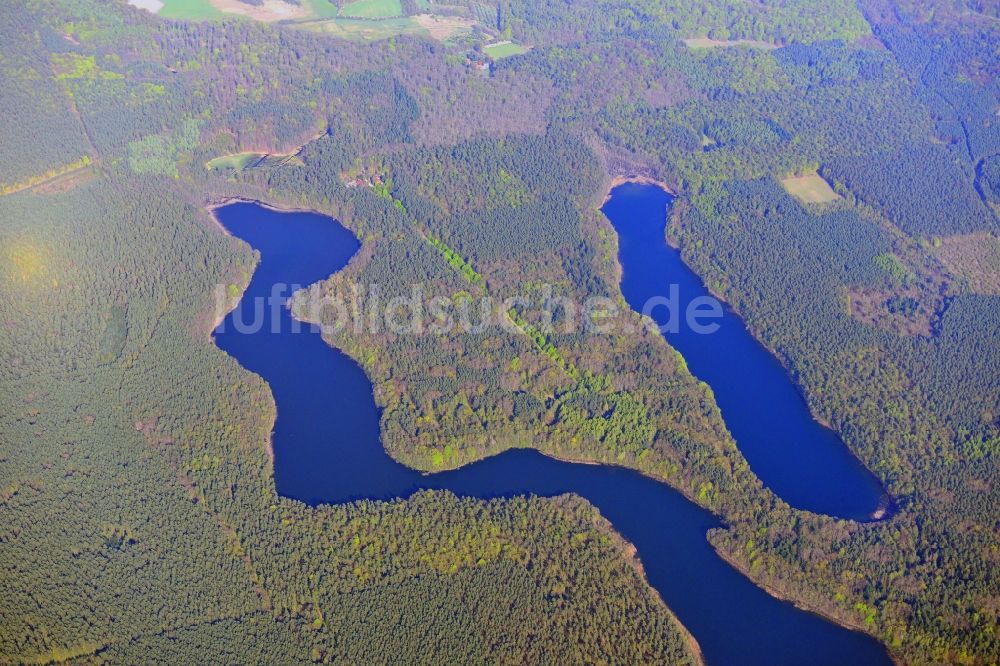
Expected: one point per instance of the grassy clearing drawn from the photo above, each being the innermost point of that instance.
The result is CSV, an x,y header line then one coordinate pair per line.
x,y
189,10
235,161
321,9
504,50
372,9
249,160
709,43
810,188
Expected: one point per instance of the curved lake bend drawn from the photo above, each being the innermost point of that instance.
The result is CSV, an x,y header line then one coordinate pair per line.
x,y
803,462
327,450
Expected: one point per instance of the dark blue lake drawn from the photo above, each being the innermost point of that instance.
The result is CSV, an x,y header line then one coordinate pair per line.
x,y
327,450
803,462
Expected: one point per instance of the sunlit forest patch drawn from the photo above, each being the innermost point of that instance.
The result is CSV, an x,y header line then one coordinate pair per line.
x,y
975,258
27,260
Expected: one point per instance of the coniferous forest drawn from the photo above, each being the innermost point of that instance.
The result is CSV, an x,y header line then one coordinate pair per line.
x,y
139,517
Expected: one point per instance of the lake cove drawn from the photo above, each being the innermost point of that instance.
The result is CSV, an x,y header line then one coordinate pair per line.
x,y
327,450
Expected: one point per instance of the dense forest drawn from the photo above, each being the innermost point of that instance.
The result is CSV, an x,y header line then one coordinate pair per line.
x,y
135,476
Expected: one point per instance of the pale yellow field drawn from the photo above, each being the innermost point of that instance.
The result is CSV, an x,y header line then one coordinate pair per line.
x,y
810,188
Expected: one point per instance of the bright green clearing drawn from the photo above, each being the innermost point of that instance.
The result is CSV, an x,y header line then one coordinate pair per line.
x,y
504,50
189,10
240,161
810,188
372,9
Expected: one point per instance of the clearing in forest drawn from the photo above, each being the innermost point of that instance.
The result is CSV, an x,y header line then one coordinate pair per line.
x,y
504,50
973,257
188,10
810,188
709,43
236,161
248,160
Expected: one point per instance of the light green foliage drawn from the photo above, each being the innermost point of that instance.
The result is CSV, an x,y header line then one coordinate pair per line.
x,y
894,268
456,260
159,153
71,66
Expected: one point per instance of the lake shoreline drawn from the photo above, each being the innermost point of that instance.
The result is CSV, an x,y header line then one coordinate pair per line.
x,y
784,598
638,179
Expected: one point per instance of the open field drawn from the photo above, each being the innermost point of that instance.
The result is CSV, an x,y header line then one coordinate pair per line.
x,y
372,9
810,188
504,50
709,43
363,20
442,27
268,11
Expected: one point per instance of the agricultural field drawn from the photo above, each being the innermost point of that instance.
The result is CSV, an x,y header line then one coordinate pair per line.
x,y
504,50
810,188
372,9
362,20
267,11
